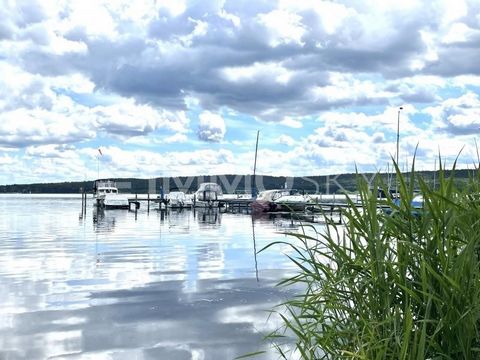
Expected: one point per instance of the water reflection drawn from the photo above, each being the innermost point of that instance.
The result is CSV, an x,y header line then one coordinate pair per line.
x,y
159,285
103,221
254,249
207,216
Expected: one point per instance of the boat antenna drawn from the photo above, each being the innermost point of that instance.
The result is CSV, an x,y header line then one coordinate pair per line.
x,y
254,190
98,162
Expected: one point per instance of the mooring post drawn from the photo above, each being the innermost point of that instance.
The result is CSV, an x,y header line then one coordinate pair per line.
x,y
82,199
85,202
148,202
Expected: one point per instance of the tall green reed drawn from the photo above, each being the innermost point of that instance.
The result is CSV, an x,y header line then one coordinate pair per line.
x,y
402,285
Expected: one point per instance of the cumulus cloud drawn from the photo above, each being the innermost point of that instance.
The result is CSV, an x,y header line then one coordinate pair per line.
x,y
254,66
52,151
211,127
285,140
20,128
129,119
228,54
457,116
289,122
46,110
135,72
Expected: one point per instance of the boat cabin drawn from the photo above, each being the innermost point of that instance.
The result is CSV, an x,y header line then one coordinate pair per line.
x,y
103,187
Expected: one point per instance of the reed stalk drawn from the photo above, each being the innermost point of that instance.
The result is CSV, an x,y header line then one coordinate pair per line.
x,y
402,285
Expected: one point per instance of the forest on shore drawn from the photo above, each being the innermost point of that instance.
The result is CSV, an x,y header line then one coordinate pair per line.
x,y
230,183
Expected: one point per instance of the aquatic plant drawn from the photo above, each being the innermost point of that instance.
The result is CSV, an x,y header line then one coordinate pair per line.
x,y
402,285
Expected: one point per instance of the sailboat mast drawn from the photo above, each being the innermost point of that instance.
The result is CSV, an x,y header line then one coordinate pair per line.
x,y
254,190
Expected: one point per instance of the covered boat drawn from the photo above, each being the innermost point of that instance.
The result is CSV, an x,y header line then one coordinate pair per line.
x,y
279,200
178,200
207,195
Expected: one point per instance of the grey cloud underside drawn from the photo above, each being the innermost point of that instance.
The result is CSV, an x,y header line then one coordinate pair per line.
x,y
20,141
125,130
458,60
464,110
135,67
210,135
470,129
419,96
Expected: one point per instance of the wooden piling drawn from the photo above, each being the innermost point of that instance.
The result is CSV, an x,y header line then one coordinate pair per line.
x,y
82,201
148,202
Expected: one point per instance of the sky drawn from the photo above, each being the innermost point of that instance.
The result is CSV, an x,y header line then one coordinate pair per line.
x,y
180,88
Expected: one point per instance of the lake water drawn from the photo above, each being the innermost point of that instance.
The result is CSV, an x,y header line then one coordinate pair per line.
x,y
120,285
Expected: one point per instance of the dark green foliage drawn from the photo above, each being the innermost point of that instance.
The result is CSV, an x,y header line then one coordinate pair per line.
x,y
242,183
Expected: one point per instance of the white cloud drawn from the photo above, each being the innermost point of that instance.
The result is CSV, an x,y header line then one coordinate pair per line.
x,y
458,33
346,87
285,140
43,110
257,72
384,122
177,138
211,127
20,128
129,119
7,160
457,116
236,21
52,151
173,7
117,162
289,122
331,15
74,72
465,80
284,27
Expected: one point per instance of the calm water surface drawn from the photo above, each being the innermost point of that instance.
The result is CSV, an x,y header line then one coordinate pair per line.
x,y
112,285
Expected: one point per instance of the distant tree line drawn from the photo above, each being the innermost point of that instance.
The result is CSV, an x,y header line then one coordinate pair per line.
x,y
229,183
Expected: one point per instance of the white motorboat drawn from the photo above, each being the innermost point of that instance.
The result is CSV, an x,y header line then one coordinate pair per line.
x,y
105,194
207,195
279,200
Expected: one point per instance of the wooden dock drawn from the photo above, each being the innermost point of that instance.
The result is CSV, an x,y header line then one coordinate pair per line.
x,y
238,204
312,213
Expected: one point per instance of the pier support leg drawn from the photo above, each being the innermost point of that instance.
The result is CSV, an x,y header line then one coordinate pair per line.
x,y
82,204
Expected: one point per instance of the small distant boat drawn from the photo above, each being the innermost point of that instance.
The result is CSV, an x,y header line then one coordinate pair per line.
x,y
279,200
416,206
207,195
105,194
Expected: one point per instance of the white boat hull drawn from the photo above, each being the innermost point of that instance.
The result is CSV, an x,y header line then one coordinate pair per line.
x,y
112,201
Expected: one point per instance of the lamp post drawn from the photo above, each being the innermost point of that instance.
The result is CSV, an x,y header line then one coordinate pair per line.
x,y
398,144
